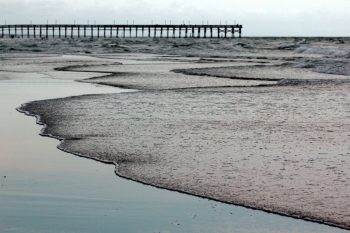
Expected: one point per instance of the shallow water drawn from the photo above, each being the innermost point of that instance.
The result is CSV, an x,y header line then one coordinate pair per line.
x,y
47,190
277,146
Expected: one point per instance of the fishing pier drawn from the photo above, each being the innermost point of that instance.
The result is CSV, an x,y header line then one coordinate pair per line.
x,y
119,31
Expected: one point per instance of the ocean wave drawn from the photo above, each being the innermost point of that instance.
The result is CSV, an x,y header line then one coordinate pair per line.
x,y
328,66
313,82
335,52
186,46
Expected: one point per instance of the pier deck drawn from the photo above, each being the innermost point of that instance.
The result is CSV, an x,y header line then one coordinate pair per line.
x,y
119,31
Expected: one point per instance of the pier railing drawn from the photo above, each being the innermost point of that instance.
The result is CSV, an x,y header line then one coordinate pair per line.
x,y
119,31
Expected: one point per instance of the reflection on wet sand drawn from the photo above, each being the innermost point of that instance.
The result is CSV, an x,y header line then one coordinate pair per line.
x,y
271,147
245,123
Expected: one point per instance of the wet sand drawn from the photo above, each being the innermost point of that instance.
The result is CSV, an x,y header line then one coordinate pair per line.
x,y
276,148
224,144
225,123
47,190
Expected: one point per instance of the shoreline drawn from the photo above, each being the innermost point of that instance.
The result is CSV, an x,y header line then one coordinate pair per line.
x,y
165,188
61,140
151,204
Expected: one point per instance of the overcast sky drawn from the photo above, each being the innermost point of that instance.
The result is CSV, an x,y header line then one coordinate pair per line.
x,y
259,18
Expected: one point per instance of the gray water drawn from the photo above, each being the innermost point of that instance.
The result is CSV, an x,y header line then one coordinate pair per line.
x,y
47,190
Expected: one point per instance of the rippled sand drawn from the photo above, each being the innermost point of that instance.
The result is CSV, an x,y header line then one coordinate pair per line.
x,y
281,145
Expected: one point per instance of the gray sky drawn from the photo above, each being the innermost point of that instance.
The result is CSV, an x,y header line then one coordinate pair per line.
x,y
259,18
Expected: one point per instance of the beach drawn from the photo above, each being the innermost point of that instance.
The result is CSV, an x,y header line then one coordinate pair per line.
x,y
244,124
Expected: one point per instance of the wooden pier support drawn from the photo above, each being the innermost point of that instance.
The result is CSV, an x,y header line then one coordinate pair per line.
x,y
165,31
